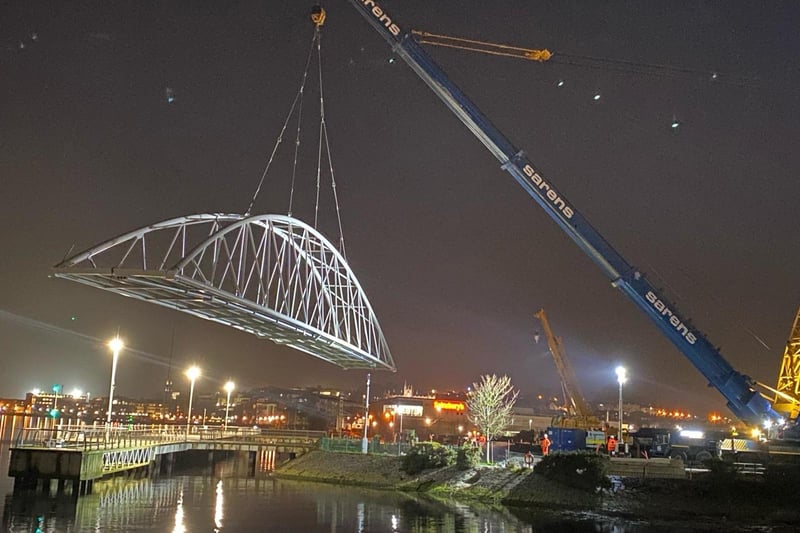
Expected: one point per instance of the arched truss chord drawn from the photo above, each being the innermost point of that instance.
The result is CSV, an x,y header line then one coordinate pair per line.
x,y
269,275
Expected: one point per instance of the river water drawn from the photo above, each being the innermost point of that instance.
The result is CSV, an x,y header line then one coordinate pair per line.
x,y
230,497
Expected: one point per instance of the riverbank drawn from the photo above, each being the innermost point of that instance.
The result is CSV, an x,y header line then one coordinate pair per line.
x,y
709,500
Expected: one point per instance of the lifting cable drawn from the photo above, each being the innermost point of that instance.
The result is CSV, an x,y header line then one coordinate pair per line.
x,y
318,18
323,136
298,102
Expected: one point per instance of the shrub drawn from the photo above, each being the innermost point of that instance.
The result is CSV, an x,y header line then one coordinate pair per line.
x,y
468,456
586,471
426,455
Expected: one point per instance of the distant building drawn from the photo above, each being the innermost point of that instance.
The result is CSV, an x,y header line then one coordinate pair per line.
x,y
408,416
11,405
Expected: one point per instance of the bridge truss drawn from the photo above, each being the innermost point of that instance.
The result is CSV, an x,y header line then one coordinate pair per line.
x,y
270,275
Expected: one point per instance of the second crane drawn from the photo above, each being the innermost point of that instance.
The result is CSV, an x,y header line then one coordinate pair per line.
x,y
579,414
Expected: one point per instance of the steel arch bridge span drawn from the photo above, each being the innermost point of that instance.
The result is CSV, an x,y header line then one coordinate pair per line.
x,y
270,275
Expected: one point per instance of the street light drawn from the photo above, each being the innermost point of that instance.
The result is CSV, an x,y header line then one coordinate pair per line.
x,y
193,373
229,386
622,377
364,441
116,346
400,437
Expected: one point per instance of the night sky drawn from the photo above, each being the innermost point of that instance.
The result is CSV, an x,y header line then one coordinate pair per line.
x,y
453,254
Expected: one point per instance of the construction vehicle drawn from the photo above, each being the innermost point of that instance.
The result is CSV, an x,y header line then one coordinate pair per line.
x,y
739,390
578,413
686,444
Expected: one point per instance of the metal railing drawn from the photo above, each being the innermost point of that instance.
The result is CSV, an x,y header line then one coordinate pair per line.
x,y
97,438
102,438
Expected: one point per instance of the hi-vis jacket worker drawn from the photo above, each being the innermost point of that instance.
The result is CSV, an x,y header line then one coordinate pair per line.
x,y
611,445
545,444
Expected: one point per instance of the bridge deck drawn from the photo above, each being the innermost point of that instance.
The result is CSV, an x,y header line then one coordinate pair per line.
x,y
86,454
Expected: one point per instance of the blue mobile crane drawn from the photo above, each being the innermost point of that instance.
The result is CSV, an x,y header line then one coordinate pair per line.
x,y
739,390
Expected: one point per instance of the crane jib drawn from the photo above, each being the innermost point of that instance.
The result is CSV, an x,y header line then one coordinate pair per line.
x,y
737,389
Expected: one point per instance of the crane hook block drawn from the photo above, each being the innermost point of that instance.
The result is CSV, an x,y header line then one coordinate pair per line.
x,y
318,16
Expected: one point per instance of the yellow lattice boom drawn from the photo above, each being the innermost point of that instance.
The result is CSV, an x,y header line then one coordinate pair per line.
x,y
789,377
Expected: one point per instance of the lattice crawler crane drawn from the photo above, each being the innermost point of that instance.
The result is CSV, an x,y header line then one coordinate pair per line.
x,y
578,412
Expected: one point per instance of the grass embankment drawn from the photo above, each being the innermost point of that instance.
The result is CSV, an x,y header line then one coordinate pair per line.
x,y
378,471
487,485
721,498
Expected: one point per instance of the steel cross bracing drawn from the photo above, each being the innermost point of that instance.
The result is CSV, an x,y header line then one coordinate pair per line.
x,y
269,275
789,377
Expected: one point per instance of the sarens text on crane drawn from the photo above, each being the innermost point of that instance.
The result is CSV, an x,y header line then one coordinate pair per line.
x,y
378,12
552,195
676,322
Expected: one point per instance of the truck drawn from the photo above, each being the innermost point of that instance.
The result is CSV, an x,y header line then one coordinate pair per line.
x,y
739,390
690,445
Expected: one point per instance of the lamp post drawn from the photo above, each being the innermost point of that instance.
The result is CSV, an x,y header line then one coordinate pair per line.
x,y
622,377
116,346
193,373
364,441
54,412
400,438
229,386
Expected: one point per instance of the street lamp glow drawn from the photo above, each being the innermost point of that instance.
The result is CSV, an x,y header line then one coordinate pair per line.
x,y
193,373
229,386
76,393
622,375
116,346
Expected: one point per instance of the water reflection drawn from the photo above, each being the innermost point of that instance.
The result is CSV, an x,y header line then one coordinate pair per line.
x,y
179,526
196,503
200,502
218,507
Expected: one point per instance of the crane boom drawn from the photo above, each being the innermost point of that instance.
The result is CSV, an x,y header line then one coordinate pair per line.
x,y
577,404
483,47
737,389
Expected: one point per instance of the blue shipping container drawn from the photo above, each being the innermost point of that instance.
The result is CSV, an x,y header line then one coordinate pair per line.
x,y
566,439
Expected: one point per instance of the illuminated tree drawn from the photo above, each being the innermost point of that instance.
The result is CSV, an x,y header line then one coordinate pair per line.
x,y
490,405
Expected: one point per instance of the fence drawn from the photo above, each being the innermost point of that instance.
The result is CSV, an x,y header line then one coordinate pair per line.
x,y
88,438
351,445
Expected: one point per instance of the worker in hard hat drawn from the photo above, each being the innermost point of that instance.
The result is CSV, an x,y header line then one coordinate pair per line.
x,y
611,445
545,443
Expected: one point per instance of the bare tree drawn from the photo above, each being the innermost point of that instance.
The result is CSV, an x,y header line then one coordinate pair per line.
x,y
490,405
